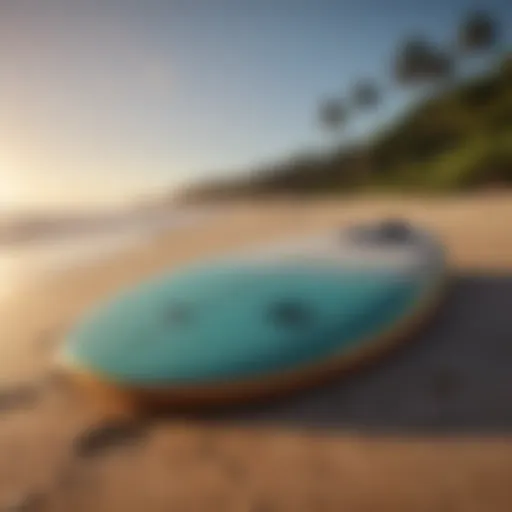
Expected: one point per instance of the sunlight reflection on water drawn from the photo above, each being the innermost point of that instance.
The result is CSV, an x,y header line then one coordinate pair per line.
x,y
20,265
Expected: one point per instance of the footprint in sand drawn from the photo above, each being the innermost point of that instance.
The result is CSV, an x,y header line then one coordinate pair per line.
x,y
107,435
22,396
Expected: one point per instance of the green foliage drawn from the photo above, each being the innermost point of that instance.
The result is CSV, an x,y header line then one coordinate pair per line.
x,y
460,139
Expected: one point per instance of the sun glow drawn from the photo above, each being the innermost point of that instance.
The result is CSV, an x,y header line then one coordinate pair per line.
x,y
9,193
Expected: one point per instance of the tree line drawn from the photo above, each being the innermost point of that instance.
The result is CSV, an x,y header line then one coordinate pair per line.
x,y
418,62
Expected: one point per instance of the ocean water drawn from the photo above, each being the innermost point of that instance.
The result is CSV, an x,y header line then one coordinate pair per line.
x,y
20,264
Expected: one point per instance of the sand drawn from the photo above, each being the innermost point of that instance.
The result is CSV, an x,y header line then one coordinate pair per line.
x,y
427,428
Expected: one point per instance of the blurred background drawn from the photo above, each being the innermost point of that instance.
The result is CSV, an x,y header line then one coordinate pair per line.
x,y
121,117
138,135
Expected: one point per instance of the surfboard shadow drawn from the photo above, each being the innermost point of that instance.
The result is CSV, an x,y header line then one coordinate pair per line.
x,y
455,377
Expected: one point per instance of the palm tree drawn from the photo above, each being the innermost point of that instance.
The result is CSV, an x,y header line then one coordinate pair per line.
x,y
478,33
419,62
365,95
333,115
479,37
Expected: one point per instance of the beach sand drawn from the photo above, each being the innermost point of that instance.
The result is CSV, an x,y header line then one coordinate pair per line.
x,y
429,429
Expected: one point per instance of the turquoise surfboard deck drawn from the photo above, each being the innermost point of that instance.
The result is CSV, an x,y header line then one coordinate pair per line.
x,y
258,314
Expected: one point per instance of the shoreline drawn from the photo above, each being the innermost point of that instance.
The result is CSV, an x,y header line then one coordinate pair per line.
x,y
40,260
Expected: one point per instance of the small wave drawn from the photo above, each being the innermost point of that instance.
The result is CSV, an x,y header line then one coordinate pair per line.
x,y
23,262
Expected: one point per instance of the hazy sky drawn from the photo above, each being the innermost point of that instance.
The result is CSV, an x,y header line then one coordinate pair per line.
x,y
100,99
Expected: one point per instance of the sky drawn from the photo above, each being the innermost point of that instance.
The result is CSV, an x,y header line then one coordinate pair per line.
x,y
104,100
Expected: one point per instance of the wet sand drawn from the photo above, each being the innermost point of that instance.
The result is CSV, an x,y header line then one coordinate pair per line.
x,y
427,428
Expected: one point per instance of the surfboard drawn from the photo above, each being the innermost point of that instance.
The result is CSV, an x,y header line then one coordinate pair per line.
x,y
262,321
